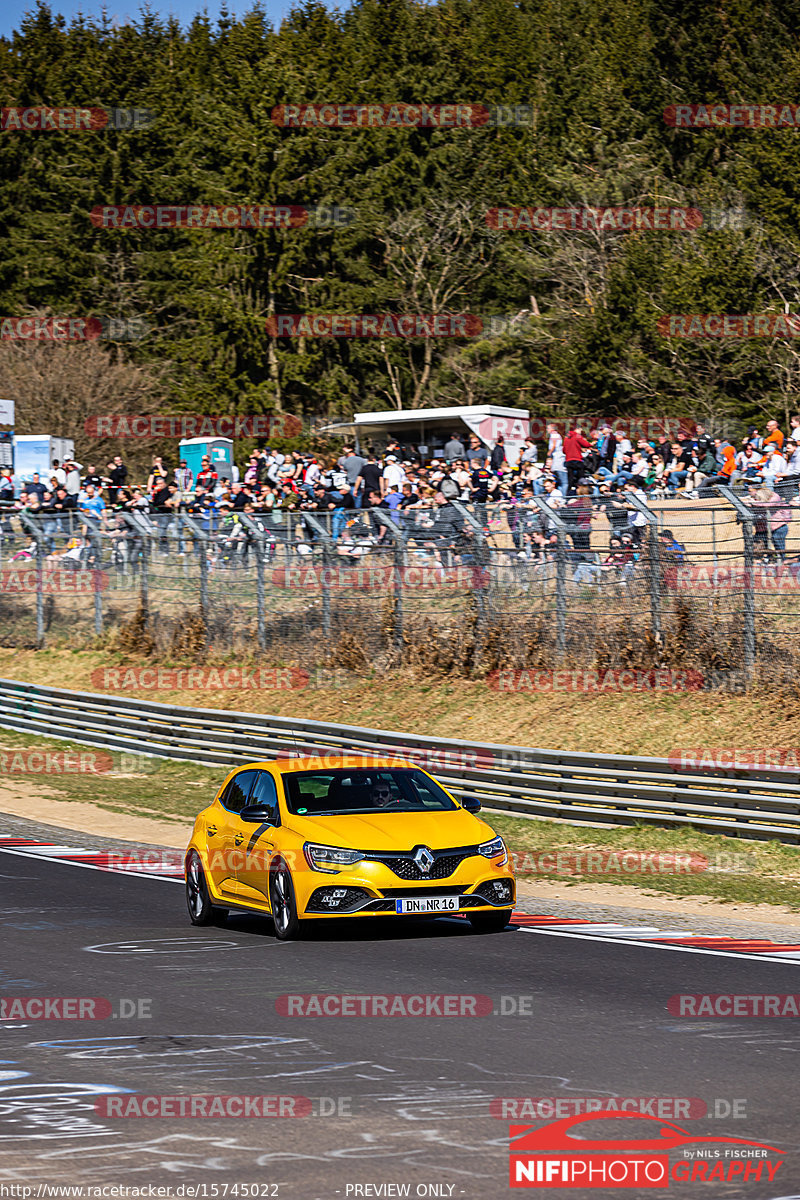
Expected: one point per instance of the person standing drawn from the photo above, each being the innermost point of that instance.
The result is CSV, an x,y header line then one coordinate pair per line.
x,y
555,458
477,455
606,447
574,445
454,448
351,463
498,455
117,476
158,476
393,473
184,479
369,480
774,436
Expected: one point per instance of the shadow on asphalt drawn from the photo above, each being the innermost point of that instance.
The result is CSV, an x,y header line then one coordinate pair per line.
x,y
370,929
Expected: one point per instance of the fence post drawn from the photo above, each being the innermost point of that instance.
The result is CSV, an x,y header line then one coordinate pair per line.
x,y
37,533
400,542
325,583
146,530
95,535
748,600
97,579
654,548
261,549
201,540
482,558
561,573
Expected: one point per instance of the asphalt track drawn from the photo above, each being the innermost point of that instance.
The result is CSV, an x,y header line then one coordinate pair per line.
x,y
410,1097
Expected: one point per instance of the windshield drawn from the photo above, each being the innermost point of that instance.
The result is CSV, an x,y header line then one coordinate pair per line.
x,y
329,793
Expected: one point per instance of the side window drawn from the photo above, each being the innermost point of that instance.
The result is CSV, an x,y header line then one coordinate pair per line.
x,y
235,795
265,792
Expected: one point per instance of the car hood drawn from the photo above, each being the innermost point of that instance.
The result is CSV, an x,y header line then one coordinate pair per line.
x,y
394,831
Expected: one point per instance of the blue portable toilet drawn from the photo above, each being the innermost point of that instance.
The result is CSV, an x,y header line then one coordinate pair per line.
x,y
218,450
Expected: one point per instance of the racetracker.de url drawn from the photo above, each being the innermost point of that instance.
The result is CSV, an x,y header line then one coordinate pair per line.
x,y
120,1191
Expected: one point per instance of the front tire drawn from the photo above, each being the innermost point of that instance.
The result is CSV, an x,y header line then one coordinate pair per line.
x,y
491,922
198,901
283,904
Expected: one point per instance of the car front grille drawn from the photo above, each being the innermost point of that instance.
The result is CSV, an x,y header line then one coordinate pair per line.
x,y
444,864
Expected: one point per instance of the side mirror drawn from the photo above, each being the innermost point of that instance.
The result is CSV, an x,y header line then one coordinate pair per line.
x,y
471,803
258,814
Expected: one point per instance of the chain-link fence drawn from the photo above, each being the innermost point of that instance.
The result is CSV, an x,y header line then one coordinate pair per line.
x,y
600,583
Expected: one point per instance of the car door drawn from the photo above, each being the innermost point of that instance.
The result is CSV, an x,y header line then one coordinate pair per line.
x,y
252,867
227,842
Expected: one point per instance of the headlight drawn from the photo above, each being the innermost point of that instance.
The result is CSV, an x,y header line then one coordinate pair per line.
x,y
494,849
329,858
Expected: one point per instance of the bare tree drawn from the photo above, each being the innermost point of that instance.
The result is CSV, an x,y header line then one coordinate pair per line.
x,y
434,256
58,386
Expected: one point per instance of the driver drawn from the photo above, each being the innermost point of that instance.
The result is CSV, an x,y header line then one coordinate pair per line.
x,y
381,794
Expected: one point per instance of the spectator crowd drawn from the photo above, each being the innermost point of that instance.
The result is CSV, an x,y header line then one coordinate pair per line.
x,y
363,499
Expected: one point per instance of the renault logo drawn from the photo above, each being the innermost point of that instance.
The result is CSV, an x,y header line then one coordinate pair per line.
x,y
424,860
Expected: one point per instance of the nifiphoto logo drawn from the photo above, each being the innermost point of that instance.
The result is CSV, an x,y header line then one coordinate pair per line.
x,y
630,1149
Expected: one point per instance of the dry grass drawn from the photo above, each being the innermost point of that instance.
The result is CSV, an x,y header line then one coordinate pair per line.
x,y
406,700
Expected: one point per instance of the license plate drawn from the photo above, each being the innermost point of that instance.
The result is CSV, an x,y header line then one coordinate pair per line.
x,y
427,904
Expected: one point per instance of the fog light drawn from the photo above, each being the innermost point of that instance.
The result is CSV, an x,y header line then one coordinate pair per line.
x,y
502,890
334,897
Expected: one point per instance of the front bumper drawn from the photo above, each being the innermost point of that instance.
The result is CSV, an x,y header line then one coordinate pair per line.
x,y
371,889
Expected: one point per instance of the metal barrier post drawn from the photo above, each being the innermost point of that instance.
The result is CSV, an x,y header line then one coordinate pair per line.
x,y
146,529
325,584
654,549
482,557
400,543
202,538
748,603
261,549
96,543
37,533
561,572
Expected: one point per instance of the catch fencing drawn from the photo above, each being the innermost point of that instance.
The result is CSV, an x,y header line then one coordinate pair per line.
x,y
739,801
451,588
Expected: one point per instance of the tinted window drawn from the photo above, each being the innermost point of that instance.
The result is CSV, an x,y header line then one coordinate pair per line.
x,y
331,792
265,792
235,795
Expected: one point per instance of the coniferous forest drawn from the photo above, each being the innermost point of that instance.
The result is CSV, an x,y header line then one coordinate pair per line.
x,y
597,78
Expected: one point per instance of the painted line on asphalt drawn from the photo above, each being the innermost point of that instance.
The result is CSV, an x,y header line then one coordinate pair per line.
x,y
87,866
652,945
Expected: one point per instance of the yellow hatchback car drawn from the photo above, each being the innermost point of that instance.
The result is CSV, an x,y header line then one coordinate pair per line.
x,y
344,837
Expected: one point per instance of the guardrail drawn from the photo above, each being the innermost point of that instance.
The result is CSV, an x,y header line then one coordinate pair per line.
x,y
591,788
